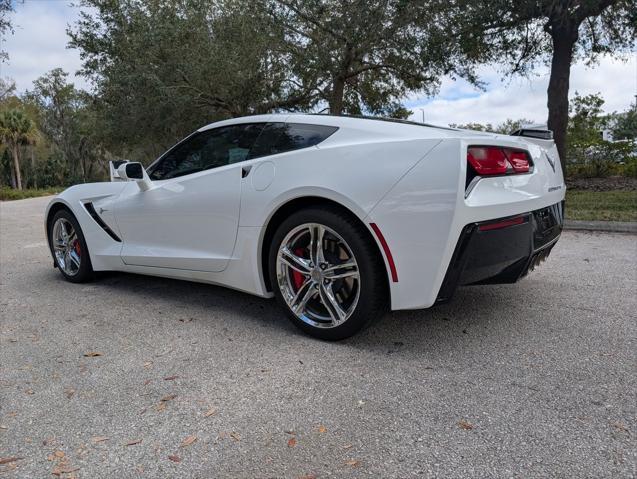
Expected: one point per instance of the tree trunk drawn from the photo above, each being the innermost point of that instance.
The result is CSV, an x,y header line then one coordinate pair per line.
x,y
336,99
16,166
557,93
33,172
13,184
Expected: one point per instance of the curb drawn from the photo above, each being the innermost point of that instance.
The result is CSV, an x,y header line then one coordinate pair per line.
x,y
605,226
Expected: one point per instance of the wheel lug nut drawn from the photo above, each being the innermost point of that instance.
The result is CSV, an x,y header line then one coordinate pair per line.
x,y
311,265
326,281
323,266
316,286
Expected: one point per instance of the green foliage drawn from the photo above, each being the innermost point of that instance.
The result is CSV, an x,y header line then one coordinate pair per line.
x,y
10,194
624,125
66,117
6,7
16,129
363,57
162,69
588,154
505,128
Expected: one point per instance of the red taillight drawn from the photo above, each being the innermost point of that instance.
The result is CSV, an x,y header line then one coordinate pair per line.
x,y
519,160
487,160
494,160
503,223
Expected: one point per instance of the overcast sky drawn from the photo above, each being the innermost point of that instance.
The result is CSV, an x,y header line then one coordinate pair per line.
x,y
39,45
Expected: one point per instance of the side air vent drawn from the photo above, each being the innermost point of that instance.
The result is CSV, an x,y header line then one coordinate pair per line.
x,y
91,211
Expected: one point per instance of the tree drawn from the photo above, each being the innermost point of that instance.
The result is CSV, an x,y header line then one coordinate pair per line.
x,y
624,125
16,129
587,150
162,69
7,89
6,7
524,33
67,120
365,55
507,127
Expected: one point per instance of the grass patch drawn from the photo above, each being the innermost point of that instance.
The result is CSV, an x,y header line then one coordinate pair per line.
x,y
601,205
9,194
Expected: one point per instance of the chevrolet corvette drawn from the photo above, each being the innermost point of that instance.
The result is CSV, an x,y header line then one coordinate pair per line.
x,y
339,218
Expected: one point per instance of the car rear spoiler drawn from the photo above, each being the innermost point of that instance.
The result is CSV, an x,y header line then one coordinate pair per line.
x,y
533,133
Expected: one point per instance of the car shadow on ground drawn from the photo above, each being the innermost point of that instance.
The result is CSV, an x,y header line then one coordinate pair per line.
x,y
471,309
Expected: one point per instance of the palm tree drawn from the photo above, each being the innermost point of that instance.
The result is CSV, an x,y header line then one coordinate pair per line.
x,y
16,129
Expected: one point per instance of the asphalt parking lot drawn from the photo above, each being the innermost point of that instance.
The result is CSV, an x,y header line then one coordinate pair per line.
x,y
135,376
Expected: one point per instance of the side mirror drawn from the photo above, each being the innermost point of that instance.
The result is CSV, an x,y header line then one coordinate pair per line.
x,y
134,171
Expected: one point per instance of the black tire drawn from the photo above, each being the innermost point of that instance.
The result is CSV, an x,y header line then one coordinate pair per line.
x,y
85,271
372,300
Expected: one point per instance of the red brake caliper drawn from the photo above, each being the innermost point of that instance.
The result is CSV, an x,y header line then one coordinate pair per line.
x,y
297,277
77,249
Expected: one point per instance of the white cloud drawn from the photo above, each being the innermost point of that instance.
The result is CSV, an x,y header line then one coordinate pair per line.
x,y
39,43
458,102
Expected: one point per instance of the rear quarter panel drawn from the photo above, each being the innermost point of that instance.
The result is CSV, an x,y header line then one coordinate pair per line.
x,y
423,215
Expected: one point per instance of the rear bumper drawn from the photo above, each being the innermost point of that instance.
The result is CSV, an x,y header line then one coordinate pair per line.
x,y
502,250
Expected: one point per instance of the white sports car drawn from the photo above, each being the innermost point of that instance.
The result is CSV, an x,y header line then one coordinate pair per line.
x,y
338,217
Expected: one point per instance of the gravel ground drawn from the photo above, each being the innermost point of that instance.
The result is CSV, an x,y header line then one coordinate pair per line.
x,y
535,379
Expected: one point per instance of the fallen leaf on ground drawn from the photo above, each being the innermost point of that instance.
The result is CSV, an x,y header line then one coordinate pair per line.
x,y
97,439
210,412
161,406
290,432
352,463
322,429
92,354
308,476
466,425
7,460
69,393
188,441
29,391
170,397
174,458
620,426
347,446
58,453
292,442
170,378
132,443
148,364
59,470
235,436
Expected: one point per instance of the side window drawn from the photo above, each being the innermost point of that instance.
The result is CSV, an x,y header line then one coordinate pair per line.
x,y
207,149
282,137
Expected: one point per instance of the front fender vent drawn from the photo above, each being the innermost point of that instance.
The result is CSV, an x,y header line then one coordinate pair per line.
x,y
91,211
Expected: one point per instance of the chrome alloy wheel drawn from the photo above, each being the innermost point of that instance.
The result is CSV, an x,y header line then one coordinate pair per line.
x,y
318,275
66,246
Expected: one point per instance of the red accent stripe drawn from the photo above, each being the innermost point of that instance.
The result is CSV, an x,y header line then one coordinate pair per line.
x,y
390,258
503,224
